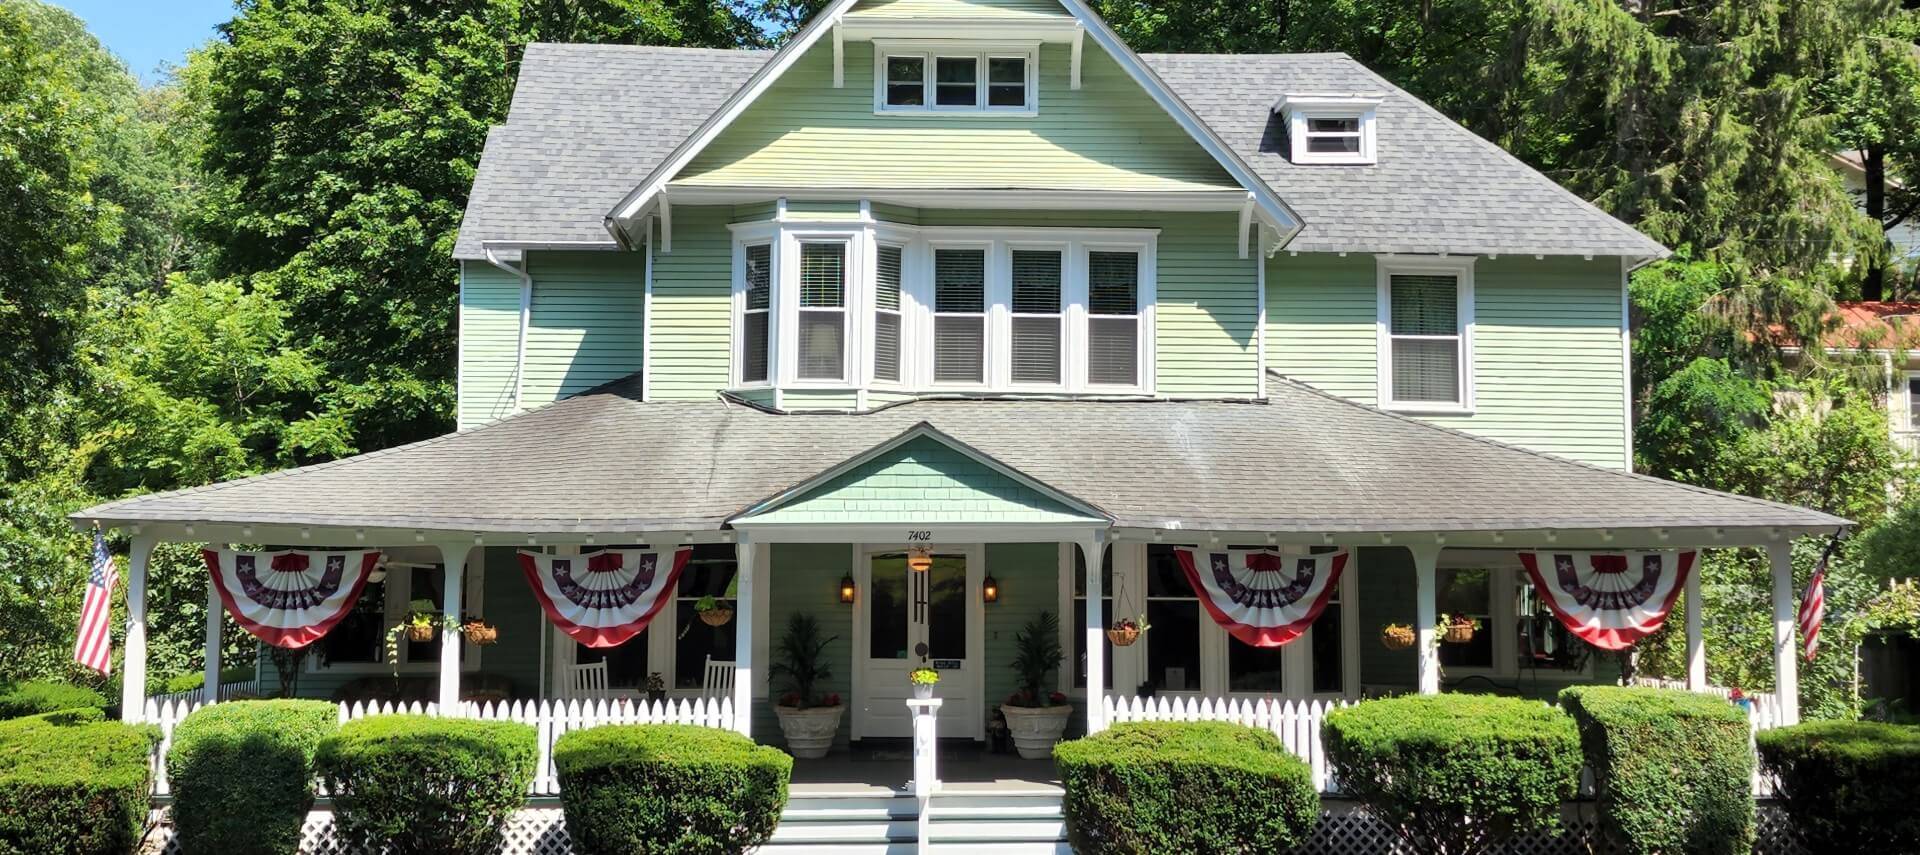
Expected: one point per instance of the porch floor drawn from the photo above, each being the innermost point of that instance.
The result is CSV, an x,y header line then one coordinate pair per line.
x,y
883,767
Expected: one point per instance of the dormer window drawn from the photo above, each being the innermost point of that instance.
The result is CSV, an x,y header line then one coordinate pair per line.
x,y
921,77
1331,129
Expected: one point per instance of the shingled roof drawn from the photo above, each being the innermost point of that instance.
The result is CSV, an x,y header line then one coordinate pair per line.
x,y
1303,462
589,122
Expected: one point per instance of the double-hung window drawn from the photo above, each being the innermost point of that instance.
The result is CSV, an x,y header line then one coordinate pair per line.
x,y
822,334
755,317
959,316
1426,326
1038,323
1113,318
887,280
955,78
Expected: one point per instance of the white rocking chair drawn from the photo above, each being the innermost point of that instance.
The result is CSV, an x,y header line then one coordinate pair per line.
x,y
589,682
716,681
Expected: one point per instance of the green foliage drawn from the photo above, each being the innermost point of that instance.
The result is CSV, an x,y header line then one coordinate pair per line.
x,y
1849,785
78,787
253,753
797,661
34,697
1148,787
1672,769
1036,654
193,680
1891,549
1456,773
419,785
669,788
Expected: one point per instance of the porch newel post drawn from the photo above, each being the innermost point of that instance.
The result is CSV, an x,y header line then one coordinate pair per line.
x,y
133,682
1786,665
1425,559
743,636
1093,549
1696,642
210,683
454,557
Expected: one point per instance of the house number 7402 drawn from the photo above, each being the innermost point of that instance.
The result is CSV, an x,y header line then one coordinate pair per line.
x,y
920,536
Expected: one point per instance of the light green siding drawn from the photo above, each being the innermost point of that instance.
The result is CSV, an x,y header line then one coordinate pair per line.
x,y
803,132
587,322
805,579
1029,577
508,604
1015,9
797,400
1548,355
693,306
489,337
922,481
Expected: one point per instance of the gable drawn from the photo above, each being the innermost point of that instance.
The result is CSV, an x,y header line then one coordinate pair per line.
x,y
1108,135
923,481
1014,9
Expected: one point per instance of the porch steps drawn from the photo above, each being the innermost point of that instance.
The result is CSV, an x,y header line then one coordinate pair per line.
x,y
998,822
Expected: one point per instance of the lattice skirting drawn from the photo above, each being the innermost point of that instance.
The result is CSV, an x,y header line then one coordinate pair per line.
x,y
539,829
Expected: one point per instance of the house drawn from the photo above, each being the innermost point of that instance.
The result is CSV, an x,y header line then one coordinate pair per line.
x,y
1886,332
1905,237
969,285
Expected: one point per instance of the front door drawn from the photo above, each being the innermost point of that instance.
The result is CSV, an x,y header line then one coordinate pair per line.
x,y
914,619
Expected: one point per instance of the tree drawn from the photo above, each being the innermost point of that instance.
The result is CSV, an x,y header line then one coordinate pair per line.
x,y
1876,95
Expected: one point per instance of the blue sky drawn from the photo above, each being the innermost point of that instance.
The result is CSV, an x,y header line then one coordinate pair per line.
x,y
147,33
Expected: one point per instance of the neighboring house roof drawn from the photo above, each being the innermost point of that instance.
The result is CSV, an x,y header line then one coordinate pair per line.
x,y
1874,324
1854,166
1305,462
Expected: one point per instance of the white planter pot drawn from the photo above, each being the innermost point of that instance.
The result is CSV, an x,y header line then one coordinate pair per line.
x,y
810,731
922,691
1036,729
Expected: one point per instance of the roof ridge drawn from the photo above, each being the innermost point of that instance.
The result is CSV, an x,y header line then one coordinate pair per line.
x,y
1627,473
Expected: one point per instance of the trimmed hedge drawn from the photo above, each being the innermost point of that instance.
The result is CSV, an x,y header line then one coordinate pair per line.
x,y
1672,769
669,788
1149,787
193,680
33,698
419,785
253,753
1851,786
1456,773
72,785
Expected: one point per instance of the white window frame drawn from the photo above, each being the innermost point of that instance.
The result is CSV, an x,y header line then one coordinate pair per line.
x,y
1459,267
1065,315
930,51
398,597
754,235
905,313
1300,109
856,270
990,297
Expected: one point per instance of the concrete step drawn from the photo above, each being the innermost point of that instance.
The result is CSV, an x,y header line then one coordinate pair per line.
x,y
996,830
859,822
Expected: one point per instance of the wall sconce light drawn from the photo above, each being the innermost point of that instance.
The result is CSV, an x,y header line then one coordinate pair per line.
x,y
846,589
920,559
990,589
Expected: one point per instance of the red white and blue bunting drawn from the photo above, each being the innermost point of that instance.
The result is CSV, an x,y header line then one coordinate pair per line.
x,y
1609,599
289,599
1255,597
607,597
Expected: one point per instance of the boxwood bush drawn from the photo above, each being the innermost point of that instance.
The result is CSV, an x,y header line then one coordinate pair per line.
x,y
1149,787
193,680
669,788
33,698
1456,773
70,783
253,753
1672,769
419,785
1851,786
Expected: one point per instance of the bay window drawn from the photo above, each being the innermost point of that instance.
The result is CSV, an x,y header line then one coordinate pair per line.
x,y
959,316
1038,323
1113,325
823,311
1426,333
887,313
754,322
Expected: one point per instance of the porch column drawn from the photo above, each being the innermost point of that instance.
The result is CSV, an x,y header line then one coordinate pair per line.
x,y
454,557
1094,549
1786,664
210,684
1426,557
133,680
744,596
1696,643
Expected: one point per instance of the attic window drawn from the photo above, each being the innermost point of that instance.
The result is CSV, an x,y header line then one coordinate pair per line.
x,y
1331,129
953,77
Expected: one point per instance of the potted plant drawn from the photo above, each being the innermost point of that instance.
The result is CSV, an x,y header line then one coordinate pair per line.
x,y
656,688
1740,699
923,680
808,720
1457,629
1126,631
421,624
479,632
1397,636
713,612
1036,718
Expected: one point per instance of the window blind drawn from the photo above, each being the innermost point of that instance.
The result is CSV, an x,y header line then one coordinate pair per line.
x,y
886,314
959,343
1424,327
1113,283
959,280
1425,305
1036,322
753,325
823,275
1036,282
759,276
1426,370
821,345
1113,341
886,279
959,347
822,318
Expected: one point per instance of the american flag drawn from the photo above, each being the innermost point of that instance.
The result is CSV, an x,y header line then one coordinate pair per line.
x,y
1813,604
94,649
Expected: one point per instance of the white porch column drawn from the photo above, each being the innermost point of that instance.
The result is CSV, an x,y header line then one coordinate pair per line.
x,y
1696,643
743,610
210,684
1786,662
454,557
1426,557
1094,550
133,680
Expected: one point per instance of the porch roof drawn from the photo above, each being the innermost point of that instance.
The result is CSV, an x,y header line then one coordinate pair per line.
x,y
604,463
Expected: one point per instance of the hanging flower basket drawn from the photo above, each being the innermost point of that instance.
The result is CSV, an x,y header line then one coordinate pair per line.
x,y
481,632
713,612
1396,636
421,631
1126,631
1459,631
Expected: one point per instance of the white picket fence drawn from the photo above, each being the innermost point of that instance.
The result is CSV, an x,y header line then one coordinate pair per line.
x,y
550,717
1297,723
228,691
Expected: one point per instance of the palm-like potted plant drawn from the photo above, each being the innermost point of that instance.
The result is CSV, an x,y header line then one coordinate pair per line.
x,y
808,719
923,680
1037,717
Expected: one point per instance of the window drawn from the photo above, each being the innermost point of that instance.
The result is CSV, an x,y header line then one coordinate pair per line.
x,y
823,311
1329,639
1007,81
1038,322
626,664
1331,129
1426,308
1467,593
1113,325
710,573
1078,628
906,81
359,636
959,316
754,321
1173,654
956,81
886,314
358,643
959,78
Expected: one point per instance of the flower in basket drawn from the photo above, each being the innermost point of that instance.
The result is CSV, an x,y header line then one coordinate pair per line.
x,y
790,699
923,677
831,700
1397,636
1058,698
1734,694
656,682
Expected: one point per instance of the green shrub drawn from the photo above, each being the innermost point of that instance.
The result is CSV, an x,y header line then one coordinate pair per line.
x,y
1851,786
1151,787
253,753
73,786
1672,769
192,681
669,788
33,698
1456,773
418,785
